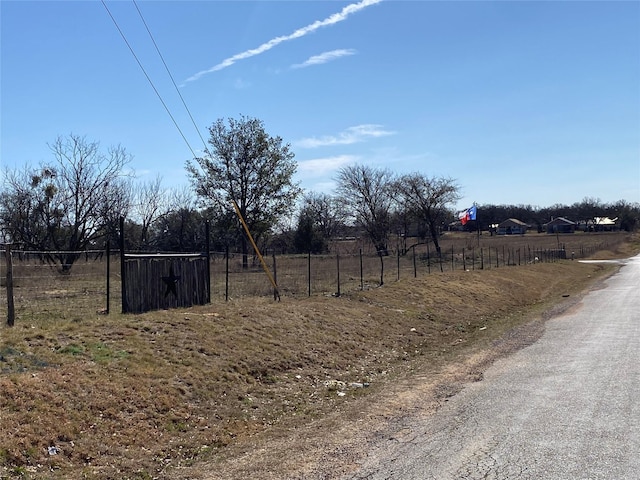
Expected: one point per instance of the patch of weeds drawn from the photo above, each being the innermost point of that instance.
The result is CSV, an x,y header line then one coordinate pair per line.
x,y
194,454
99,352
177,426
31,453
72,349
4,456
13,360
264,376
19,471
142,475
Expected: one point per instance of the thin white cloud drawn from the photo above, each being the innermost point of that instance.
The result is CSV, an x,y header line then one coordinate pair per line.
x,y
241,84
325,57
349,136
301,32
322,166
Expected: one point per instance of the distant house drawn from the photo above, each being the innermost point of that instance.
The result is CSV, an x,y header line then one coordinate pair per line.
x,y
511,226
605,224
560,225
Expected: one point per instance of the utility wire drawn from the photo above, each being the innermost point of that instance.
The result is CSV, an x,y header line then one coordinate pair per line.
x,y
170,76
149,79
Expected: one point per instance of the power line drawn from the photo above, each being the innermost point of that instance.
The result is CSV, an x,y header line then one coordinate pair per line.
x,y
148,78
170,76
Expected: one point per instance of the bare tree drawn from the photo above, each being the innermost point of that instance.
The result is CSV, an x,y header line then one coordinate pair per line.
x,y
428,198
68,205
246,166
151,202
182,227
366,193
327,213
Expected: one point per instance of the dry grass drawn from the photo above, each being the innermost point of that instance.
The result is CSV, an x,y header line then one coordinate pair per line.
x,y
160,394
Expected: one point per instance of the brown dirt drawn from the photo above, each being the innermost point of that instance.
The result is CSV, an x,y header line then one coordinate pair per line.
x,y
252,388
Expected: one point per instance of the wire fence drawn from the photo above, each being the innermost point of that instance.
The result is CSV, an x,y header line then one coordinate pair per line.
x,y
43,290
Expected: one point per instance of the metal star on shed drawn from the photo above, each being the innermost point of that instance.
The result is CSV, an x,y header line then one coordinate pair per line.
x,y
171,281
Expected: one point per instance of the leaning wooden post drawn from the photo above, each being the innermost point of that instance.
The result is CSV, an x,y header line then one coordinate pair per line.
x,y
275,275
11,312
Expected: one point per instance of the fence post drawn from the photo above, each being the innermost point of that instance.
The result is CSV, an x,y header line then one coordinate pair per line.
x,y
452,256
208,252
361,272
464,261
415,268
226,274
398,255
123,279
108,276
309,270
338,267
11,311
428,259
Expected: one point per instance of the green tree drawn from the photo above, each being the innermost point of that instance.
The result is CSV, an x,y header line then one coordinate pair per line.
x,y
307,237
247,166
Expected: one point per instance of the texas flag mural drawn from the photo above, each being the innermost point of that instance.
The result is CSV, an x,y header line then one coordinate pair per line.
x,y
468,214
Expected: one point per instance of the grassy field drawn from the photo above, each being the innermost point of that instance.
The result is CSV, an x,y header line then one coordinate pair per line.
x,y
176,394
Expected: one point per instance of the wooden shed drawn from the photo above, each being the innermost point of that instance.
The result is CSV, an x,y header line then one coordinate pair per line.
x,y
161,281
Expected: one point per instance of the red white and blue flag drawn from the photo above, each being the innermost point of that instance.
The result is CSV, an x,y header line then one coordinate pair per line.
x,y
468,215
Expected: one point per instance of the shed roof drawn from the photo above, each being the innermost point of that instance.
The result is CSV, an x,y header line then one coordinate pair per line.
x,y
509,222
560,221
604,221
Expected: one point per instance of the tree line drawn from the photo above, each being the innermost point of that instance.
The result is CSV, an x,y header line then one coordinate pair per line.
x,y
74,202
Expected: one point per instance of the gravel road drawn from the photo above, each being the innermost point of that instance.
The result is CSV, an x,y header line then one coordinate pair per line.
x,y
566,407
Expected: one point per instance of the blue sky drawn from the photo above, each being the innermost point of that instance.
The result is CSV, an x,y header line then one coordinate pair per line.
x,y
521,102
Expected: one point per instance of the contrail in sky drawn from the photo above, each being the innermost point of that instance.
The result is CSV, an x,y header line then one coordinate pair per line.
x,y
325,57
301,32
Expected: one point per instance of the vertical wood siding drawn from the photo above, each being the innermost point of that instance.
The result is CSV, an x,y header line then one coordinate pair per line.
x,y
146,290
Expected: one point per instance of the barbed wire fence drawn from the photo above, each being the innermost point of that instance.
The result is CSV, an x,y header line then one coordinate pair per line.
x,y
92,285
